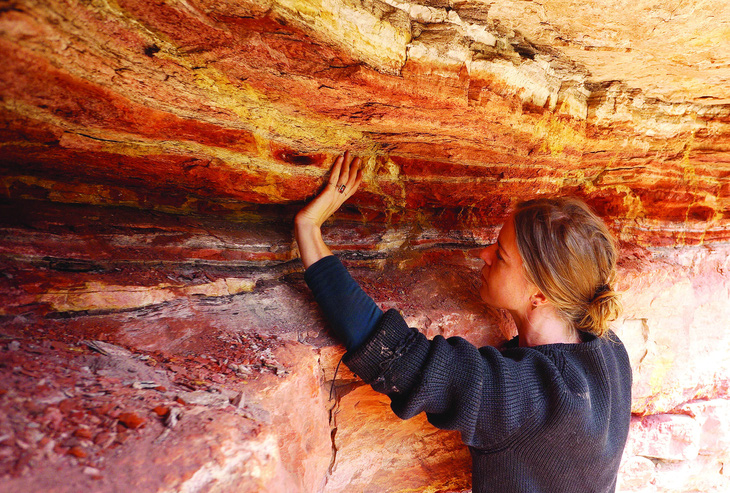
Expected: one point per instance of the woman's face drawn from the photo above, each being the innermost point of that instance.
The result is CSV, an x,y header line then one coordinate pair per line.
x,y
504,284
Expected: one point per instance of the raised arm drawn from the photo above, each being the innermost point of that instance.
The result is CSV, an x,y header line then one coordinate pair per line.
x,y
352,314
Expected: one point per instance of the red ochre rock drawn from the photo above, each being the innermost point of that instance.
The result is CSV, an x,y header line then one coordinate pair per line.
x,y
427,273
152,158
131,420
78,452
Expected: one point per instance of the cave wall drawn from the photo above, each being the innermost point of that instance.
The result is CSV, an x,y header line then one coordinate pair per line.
x,y
153,154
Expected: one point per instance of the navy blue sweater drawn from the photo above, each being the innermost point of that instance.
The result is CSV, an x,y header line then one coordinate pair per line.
x,y
351,313
551,418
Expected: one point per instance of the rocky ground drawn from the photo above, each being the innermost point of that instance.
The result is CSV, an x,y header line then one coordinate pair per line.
x,y
104,417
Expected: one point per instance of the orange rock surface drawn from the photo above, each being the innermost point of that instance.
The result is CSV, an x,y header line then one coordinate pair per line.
x,y
153,155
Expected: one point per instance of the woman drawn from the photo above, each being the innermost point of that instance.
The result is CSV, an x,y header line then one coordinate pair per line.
x,y
550,411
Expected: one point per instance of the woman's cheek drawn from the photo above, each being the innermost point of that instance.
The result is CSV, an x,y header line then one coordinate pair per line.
x,y
484,292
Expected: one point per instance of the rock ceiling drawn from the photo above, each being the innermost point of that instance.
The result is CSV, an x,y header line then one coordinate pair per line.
x,y
204,105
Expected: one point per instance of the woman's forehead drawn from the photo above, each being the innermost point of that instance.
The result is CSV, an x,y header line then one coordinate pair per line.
x,y
506,239
507,232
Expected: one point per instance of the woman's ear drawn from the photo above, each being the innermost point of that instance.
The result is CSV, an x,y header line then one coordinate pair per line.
x,y
538,299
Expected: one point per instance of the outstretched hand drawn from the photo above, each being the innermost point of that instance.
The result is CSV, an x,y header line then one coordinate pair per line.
x,y
343,182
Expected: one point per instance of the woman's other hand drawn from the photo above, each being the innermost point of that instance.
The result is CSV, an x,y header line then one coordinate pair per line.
x,y
343,182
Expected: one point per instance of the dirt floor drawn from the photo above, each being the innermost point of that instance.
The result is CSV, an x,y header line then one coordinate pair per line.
x,y
70,406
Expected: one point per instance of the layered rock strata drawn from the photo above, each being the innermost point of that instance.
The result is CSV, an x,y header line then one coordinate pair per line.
x,y
152,156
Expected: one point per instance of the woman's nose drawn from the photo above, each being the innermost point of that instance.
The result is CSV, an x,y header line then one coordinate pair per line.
x,y
487,254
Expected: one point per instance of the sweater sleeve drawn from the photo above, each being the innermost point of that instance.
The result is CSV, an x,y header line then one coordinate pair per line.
x,y
351,313
479,392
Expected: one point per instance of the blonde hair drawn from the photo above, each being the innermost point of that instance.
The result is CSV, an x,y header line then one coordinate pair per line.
x,y
569,254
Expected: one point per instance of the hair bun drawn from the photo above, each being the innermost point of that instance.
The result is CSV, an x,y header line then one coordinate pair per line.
x,y
602,309
603,288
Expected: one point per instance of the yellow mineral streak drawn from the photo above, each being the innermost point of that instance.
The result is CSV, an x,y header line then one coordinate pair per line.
x,y
258,114
375,175
557,134
127,144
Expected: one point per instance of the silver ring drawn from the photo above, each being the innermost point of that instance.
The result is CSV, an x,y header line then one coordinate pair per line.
x,y
341,189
